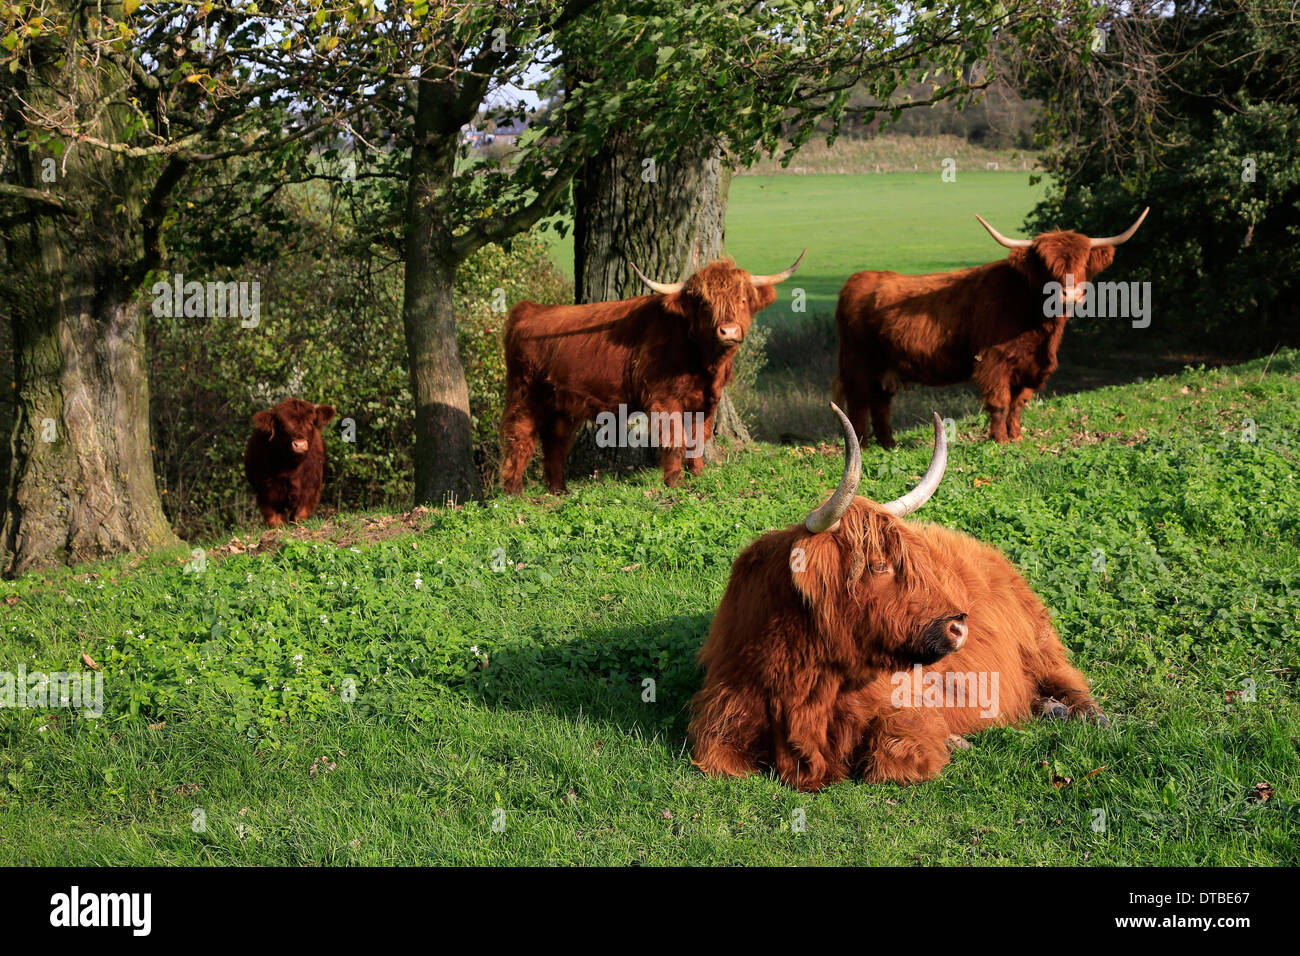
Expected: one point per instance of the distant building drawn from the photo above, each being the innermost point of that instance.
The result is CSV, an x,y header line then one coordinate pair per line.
x,y
505,131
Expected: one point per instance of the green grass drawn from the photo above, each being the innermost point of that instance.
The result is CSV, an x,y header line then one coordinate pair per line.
x,y
1164,544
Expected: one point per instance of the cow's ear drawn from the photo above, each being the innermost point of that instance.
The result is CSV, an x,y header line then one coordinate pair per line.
x,y
675,304
760,297
323,415
817,569
264,421
1024,260
1099,259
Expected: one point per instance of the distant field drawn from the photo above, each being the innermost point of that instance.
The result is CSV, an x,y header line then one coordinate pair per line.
x,y
895,154
909,222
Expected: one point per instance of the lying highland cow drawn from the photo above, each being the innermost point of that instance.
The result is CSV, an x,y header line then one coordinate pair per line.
x,y
860,641
285,459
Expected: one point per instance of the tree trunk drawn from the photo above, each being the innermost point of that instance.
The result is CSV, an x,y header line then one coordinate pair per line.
x,y
82,484
444,458
663,218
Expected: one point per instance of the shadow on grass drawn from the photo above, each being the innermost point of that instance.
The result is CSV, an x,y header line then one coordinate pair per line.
x,y
640,678
788,403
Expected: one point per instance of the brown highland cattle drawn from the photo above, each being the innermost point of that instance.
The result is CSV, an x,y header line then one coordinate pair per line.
x,y
860,642
285,459
667,355
984,325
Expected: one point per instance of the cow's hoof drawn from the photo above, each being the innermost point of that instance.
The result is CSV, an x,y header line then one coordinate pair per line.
x,y
1051,707
958,742
1091,713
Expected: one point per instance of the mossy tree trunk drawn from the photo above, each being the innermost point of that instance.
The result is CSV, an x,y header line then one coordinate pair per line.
x,y
443,454
81,485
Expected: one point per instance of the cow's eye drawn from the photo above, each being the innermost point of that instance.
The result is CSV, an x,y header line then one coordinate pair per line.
x,y
880,567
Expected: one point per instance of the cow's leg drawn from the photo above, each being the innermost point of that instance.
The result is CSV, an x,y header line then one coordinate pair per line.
x,y
810,754
1062,691
271,512
880,396
907,745
726,726
997,400
1020,397
556,440
519,439
703,432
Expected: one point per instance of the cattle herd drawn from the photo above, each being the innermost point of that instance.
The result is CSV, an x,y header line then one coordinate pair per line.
x,y
855,641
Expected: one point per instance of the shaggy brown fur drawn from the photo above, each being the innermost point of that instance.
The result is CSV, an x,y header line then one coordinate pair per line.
x,y
285,459
654,353
803,652
984,325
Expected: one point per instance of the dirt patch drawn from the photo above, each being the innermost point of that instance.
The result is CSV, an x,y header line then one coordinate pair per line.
x,y
343,532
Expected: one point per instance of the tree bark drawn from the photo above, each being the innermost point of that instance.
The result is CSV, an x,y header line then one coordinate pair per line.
x,y
82,483
444,458
663,218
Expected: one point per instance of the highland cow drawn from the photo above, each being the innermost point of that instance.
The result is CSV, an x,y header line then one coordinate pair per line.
x,y
831,635
667,355
285,459
985,325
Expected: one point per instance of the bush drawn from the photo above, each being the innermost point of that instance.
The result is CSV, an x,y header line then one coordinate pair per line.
x,y
331,332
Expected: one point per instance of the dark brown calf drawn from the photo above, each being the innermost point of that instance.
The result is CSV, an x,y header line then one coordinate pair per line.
x,y
285,459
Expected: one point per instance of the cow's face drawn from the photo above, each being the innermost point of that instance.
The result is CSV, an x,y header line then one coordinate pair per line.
x,y
914,612
1069,260
877,590
1065,258
720,302
291,424
874,582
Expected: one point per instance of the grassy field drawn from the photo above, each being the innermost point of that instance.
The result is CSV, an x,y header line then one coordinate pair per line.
x,y
907,222
468,686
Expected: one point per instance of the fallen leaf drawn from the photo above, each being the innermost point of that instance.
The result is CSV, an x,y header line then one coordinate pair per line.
x,y
1261,794
89,661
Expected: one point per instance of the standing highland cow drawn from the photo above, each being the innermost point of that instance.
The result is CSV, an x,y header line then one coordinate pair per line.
x,y
984,325
861,641
285,459
668,356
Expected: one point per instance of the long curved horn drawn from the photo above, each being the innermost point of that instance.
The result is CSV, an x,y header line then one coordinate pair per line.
x,y
1124,236
929,483
827,516
663,288
1003,240
779,276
